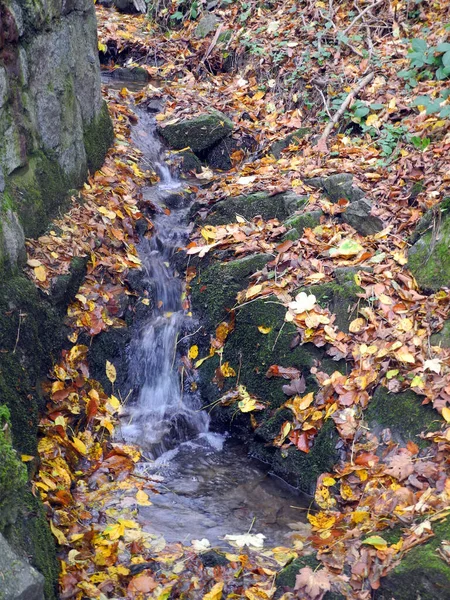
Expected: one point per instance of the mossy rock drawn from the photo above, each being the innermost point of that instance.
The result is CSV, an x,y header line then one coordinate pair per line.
x,y
403,413
298,223
279,206
442,337
189,162
293,138
66,286
198,133
337,186
251,352
98,138
215,288
30,536
429,257
422,574
13,473
339,296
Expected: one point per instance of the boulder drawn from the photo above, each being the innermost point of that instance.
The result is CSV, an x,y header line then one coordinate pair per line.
x,y
403,413
358,215
337,186
18,579
429,256
442,337
293,138
279,206
298,223
219,156
251,352
206,25
189,162
198,133
422,574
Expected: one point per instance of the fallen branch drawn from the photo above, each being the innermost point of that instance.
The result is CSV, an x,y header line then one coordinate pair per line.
x,y
358,16
322,142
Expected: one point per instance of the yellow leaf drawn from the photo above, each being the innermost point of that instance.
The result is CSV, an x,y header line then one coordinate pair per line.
x,y
142,498
328,481
215,593
111,373
357,325
404,355
372,120
376,541
40,273
102,47
107,213
193,352
359,516
145,301
446,413
264,330
26,457
59,535
227,371
322,520
114,402
79,445
253,291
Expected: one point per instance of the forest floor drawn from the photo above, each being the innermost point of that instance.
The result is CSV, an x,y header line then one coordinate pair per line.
x,y
277,67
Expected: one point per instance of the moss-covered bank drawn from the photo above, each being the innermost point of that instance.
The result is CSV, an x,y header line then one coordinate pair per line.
x,y
31,336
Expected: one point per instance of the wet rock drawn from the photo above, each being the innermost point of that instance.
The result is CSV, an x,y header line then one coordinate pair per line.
x,y
66,286
337,186
13,249
206,25
18,579
358,215
429,257
219,157
198,133
279,206
189,162
130,74
131,6
293,138
286,577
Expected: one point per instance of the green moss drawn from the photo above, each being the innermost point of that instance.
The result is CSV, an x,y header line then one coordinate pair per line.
x,y
298,223
199,133
279,206
38,191
429,257
215,288
339,296
442,337
30,536
98,138
422,573
13,474
403,413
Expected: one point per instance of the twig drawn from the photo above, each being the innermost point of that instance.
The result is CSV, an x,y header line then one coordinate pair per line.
x,y
360,15
324,101
18,331
211,46
328,129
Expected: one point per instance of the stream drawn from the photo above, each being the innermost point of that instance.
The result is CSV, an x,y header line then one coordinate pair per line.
x,y
208,486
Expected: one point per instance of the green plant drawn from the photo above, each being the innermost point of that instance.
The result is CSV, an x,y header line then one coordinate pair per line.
x,y
434,106
427,62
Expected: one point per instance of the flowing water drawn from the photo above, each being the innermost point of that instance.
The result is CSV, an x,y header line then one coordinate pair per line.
x,y
208,485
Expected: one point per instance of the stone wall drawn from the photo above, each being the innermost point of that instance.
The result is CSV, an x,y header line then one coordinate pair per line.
x,y
54,125
54,129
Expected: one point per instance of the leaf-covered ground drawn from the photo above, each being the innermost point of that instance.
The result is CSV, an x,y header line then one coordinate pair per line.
x,y
281,66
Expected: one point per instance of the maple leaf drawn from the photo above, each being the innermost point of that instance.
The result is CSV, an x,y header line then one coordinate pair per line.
x,y
313,585
433,364
400,465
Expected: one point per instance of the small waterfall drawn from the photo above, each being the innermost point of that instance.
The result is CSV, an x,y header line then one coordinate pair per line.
x,y
162,416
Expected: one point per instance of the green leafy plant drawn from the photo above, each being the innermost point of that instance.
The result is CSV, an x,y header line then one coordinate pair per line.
x,y
427,62
434,106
